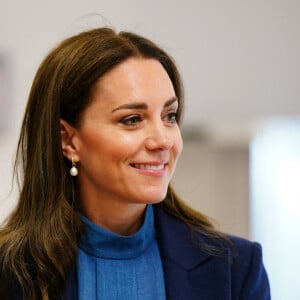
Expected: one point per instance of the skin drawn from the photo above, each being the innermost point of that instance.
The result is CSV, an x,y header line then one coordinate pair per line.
x,y
126,146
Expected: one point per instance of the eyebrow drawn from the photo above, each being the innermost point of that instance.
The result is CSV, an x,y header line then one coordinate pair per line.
x,y
143,106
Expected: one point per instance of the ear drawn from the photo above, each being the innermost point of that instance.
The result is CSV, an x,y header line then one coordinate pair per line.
x,y
67,133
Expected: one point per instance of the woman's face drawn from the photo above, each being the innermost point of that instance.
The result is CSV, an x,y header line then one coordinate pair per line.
x,y
128,141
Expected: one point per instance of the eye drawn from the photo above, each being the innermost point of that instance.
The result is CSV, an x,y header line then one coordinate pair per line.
x,y
171,117
131,120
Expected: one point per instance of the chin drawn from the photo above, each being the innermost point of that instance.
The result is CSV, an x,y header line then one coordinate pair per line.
x,y
149,194
154,199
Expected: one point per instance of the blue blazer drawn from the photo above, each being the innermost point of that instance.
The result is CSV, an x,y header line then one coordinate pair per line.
x,y
191,273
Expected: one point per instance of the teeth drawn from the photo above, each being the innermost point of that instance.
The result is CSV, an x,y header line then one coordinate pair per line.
x,y
150,167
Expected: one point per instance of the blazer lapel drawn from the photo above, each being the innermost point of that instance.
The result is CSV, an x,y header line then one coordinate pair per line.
x,y
190,273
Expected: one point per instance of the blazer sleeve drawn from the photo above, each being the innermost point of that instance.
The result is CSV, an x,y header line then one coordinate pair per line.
x,y
249,274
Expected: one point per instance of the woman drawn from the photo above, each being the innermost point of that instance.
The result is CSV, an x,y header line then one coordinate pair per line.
x,y
96,217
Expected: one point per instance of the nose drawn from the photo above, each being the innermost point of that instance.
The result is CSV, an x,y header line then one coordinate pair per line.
x,y
159,138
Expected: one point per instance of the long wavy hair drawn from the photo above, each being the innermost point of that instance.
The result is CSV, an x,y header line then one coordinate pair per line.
x,y
38,242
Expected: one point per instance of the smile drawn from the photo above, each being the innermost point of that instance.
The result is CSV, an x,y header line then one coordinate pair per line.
x,y
149,167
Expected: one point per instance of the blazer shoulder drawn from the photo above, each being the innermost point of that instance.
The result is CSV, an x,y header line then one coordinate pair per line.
x,y
243,248
249,276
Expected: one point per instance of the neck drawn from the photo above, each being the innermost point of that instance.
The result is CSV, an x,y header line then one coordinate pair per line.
x,y
120,218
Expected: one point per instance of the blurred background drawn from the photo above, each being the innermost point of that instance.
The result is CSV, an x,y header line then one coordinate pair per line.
x,y
241,69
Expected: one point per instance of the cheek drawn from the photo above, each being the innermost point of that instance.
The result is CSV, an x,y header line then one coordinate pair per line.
x,y
123,146
114,145
178,144
126,140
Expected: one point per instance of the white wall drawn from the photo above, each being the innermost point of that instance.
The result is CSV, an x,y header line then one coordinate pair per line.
x,y
213,178
275,205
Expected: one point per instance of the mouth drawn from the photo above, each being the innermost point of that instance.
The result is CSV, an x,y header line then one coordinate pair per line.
x,y
151,167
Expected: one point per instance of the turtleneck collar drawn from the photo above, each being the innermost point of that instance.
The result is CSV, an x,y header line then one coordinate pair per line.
x,y
99,242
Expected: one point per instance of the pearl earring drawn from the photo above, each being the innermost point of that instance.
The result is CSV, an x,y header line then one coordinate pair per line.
x,y
73,170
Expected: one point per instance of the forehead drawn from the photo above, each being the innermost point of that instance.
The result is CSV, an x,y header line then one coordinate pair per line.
x,y
135,79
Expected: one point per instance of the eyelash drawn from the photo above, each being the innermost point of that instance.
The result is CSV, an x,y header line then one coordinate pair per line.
x,y
133,120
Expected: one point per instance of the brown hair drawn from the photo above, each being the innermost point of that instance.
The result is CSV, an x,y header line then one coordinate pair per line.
x,y
38,243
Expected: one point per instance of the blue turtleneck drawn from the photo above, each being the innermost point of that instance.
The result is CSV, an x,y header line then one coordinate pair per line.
x,y
111,266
